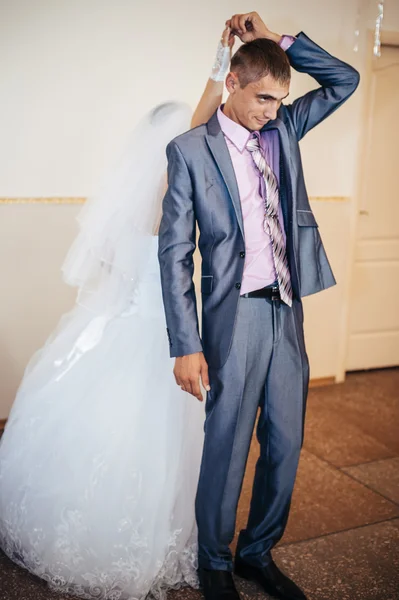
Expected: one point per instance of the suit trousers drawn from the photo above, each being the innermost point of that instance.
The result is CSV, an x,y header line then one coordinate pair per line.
x,y
267,369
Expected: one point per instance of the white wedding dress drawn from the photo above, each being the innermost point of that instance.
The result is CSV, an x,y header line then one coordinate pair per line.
x,y
100,458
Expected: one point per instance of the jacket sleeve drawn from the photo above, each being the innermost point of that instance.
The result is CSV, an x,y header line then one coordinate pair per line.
x,y
176,248
337,80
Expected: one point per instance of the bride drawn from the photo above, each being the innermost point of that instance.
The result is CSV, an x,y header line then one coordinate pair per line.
x,y
100,457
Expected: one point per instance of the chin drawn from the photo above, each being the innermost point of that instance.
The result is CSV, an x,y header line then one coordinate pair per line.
x,y
261,123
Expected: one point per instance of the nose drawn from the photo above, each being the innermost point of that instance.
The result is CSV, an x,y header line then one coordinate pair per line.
x,y
271,111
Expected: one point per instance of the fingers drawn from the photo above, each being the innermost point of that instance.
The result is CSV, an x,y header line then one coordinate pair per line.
x,y
188,387
187,373
226,36
238,22
196,389
179,383
246,25
191,386
242,23
235,23
205,376
179,379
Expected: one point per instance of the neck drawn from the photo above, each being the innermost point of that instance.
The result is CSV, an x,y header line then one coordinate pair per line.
x,y
228,110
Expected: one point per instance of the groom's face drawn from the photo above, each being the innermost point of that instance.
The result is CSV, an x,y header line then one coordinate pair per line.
x,y
258,102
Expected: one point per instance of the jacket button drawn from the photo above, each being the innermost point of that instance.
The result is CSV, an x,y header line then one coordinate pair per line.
x,y
238,285
242,254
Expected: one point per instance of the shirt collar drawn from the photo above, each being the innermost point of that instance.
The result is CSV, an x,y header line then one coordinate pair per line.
x,y
236,133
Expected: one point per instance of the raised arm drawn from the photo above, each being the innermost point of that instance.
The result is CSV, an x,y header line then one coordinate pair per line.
x,y
337,79
212,96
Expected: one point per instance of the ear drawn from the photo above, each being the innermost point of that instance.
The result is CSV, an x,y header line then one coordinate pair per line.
x,y
232,82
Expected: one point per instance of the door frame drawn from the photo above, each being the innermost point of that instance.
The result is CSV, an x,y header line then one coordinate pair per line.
x,y
388,38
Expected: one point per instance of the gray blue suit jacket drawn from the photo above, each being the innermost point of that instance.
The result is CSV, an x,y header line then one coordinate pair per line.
x,y
203,191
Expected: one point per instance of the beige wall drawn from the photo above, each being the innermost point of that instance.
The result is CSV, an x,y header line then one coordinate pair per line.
x,y
76,77
33,242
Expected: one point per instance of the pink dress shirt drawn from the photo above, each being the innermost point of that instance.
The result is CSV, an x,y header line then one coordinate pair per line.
x,y
259,268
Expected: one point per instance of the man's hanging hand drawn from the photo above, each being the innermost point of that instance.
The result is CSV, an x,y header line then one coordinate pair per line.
x,y
188,372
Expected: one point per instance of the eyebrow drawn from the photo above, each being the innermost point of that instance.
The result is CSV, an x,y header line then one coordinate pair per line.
x,y
270,97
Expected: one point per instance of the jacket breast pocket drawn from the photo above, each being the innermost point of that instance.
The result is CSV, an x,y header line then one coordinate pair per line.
x,y
306,218
206,284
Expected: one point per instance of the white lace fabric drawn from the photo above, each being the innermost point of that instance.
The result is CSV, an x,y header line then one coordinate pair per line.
x,y
119,581
222,63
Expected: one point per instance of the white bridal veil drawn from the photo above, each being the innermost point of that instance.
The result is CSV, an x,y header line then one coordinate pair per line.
x,y
117,223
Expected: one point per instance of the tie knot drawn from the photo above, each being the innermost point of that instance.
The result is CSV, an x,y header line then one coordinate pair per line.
x,y
253,143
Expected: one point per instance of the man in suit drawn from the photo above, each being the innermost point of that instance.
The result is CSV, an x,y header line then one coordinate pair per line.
x,y
239,178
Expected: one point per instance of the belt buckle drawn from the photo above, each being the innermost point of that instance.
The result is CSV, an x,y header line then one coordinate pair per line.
x,y
275,293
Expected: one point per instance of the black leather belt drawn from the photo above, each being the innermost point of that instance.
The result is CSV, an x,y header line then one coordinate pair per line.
x,y
266,292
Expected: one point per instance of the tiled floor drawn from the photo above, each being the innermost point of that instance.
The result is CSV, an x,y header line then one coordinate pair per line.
x,y
342,538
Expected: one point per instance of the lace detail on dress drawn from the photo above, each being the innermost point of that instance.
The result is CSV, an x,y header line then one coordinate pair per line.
x,y
123,580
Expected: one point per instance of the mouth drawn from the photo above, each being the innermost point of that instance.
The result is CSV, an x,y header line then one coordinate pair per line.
x,y
262,121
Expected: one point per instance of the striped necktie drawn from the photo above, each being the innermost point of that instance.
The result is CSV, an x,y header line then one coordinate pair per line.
x,y
271,223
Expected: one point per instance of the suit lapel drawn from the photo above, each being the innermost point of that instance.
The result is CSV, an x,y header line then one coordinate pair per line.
x,y
218,148
283,136
287,197
285,169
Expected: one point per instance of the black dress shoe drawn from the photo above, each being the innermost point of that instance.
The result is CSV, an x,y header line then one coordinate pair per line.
x,y
271,579
218,585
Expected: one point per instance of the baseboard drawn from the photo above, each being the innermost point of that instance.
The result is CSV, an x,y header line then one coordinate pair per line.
x,y
322,382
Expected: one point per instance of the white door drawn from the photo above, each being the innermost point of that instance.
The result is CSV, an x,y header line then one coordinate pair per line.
x,y
374,315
